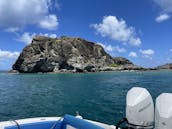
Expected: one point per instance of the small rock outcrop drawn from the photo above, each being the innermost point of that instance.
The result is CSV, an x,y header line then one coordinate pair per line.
x,y
165,66
121,61
67,54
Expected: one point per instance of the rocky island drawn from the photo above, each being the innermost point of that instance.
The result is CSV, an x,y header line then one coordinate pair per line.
x,y
67,54
165,66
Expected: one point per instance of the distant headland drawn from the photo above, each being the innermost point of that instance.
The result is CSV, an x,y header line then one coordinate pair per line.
x,y
68,54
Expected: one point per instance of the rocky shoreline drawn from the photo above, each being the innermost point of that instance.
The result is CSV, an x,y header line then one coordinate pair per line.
x,y
67,54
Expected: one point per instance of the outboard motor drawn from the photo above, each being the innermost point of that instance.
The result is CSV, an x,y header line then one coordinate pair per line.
x,y
139,109
163,111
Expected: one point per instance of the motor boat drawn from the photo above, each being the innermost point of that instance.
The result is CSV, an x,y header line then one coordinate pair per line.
x,y
140,114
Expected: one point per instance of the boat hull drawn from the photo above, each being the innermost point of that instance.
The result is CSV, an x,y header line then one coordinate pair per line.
x,y
43,123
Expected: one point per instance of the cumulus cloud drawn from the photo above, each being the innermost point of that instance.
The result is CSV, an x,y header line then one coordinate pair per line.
x,y
49,22
7,59
162,17
16,14
165,5
119,49
147,53
48,35
52,35
118,30
27,37
107,47
12,29
111,48
9,54
132,54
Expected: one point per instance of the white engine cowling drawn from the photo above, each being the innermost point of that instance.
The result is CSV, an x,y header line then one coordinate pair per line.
x,y
163,111
139,108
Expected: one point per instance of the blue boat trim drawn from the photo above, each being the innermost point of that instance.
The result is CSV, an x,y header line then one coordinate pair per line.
x,y
78,123
60,124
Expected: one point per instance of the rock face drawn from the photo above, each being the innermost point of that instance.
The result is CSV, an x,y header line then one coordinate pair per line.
x,y
65,54
122,61
166,66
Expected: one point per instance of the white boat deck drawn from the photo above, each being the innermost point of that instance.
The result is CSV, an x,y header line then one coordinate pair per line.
x,y
29,120
41,119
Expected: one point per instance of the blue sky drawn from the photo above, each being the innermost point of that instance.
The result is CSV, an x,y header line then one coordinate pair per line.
x,y
139,30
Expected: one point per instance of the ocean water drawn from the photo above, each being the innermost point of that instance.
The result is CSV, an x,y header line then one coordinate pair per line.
x,y
97,96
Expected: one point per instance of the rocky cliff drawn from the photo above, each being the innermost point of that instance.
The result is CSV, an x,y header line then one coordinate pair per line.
x,y
67,54
121,61
165,66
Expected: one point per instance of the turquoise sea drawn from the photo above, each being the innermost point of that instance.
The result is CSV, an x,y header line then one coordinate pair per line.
x,y
97,96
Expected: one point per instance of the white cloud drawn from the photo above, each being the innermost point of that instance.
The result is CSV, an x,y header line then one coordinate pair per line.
x,y
8,54
107,47
119,49
19,13
165,5
111,48
135,41
162,17
132,54
12,29
7,59
27,37
49,22
147,53
118,30
48,35
52,35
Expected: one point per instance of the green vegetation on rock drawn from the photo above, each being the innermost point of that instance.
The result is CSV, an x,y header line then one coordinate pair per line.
x,y
114,65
